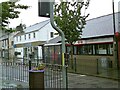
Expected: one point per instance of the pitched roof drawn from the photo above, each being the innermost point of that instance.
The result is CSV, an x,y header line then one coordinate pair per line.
x,y
97,27
101,26
54,40
36,26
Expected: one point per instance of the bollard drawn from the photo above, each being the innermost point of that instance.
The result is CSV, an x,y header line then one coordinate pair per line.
x,y
23,60
37,60
75,65
29,64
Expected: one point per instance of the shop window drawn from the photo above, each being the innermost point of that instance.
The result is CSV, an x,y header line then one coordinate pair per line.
x,y
106,49
93,49
110,49
86,49
75,50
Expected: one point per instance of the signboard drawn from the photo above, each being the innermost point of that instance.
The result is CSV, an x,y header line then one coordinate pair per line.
x,y
44,8
14,45
27,45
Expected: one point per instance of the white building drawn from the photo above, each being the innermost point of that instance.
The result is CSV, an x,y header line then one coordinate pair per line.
x,y
33,38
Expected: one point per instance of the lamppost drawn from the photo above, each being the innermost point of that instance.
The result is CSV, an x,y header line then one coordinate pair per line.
x,y
8,46
63,43
8,33
45,11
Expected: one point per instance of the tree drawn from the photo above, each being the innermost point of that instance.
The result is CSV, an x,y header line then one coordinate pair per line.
x,y
9,10
68,17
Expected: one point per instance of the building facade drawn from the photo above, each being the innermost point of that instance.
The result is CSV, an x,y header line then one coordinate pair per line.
x,y
6,45
97,41
32,39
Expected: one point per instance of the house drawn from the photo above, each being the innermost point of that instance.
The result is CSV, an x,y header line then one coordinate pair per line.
x,y
33,38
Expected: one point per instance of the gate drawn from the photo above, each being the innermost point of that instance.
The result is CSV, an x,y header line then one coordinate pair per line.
x,y
54,72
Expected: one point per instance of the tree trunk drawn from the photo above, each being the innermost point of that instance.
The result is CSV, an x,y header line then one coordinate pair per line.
x,y
71,50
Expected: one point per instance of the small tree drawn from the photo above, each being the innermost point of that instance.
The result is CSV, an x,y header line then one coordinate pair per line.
x,y
9,10
69,18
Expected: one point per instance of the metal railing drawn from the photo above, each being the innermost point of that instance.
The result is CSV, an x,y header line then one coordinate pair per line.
x,y
14,71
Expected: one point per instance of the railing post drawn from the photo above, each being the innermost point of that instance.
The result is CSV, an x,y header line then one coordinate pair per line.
x,y
97,67
75,65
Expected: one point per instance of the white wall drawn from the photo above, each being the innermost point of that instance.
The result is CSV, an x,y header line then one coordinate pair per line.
x,y
42,35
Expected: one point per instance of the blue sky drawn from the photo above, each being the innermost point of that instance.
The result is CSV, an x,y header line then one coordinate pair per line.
x,y
29,17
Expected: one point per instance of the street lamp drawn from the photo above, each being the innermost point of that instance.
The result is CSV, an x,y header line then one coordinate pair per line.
x,y
63,44
46,10
8,33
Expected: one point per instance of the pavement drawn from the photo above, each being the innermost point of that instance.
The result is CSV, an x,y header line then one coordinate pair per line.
x,y
74,81
85,81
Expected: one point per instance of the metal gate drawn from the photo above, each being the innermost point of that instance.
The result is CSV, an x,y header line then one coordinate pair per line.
x,y
54,72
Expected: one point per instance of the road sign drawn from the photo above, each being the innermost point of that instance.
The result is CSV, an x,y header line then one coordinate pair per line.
x,y
44,8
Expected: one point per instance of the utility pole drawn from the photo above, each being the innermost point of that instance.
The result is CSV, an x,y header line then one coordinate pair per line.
x,y
8,46
115,39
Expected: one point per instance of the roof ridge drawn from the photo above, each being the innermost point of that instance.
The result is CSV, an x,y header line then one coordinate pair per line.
x,y
102,16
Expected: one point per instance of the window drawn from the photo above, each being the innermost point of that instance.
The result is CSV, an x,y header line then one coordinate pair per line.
x,y
20,38
51,34
25,37
2,43
110,49
102,49
34,35
93,49
16,38
29,36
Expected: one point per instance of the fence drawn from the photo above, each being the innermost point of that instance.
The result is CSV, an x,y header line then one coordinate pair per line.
x,y
102,66
13,71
